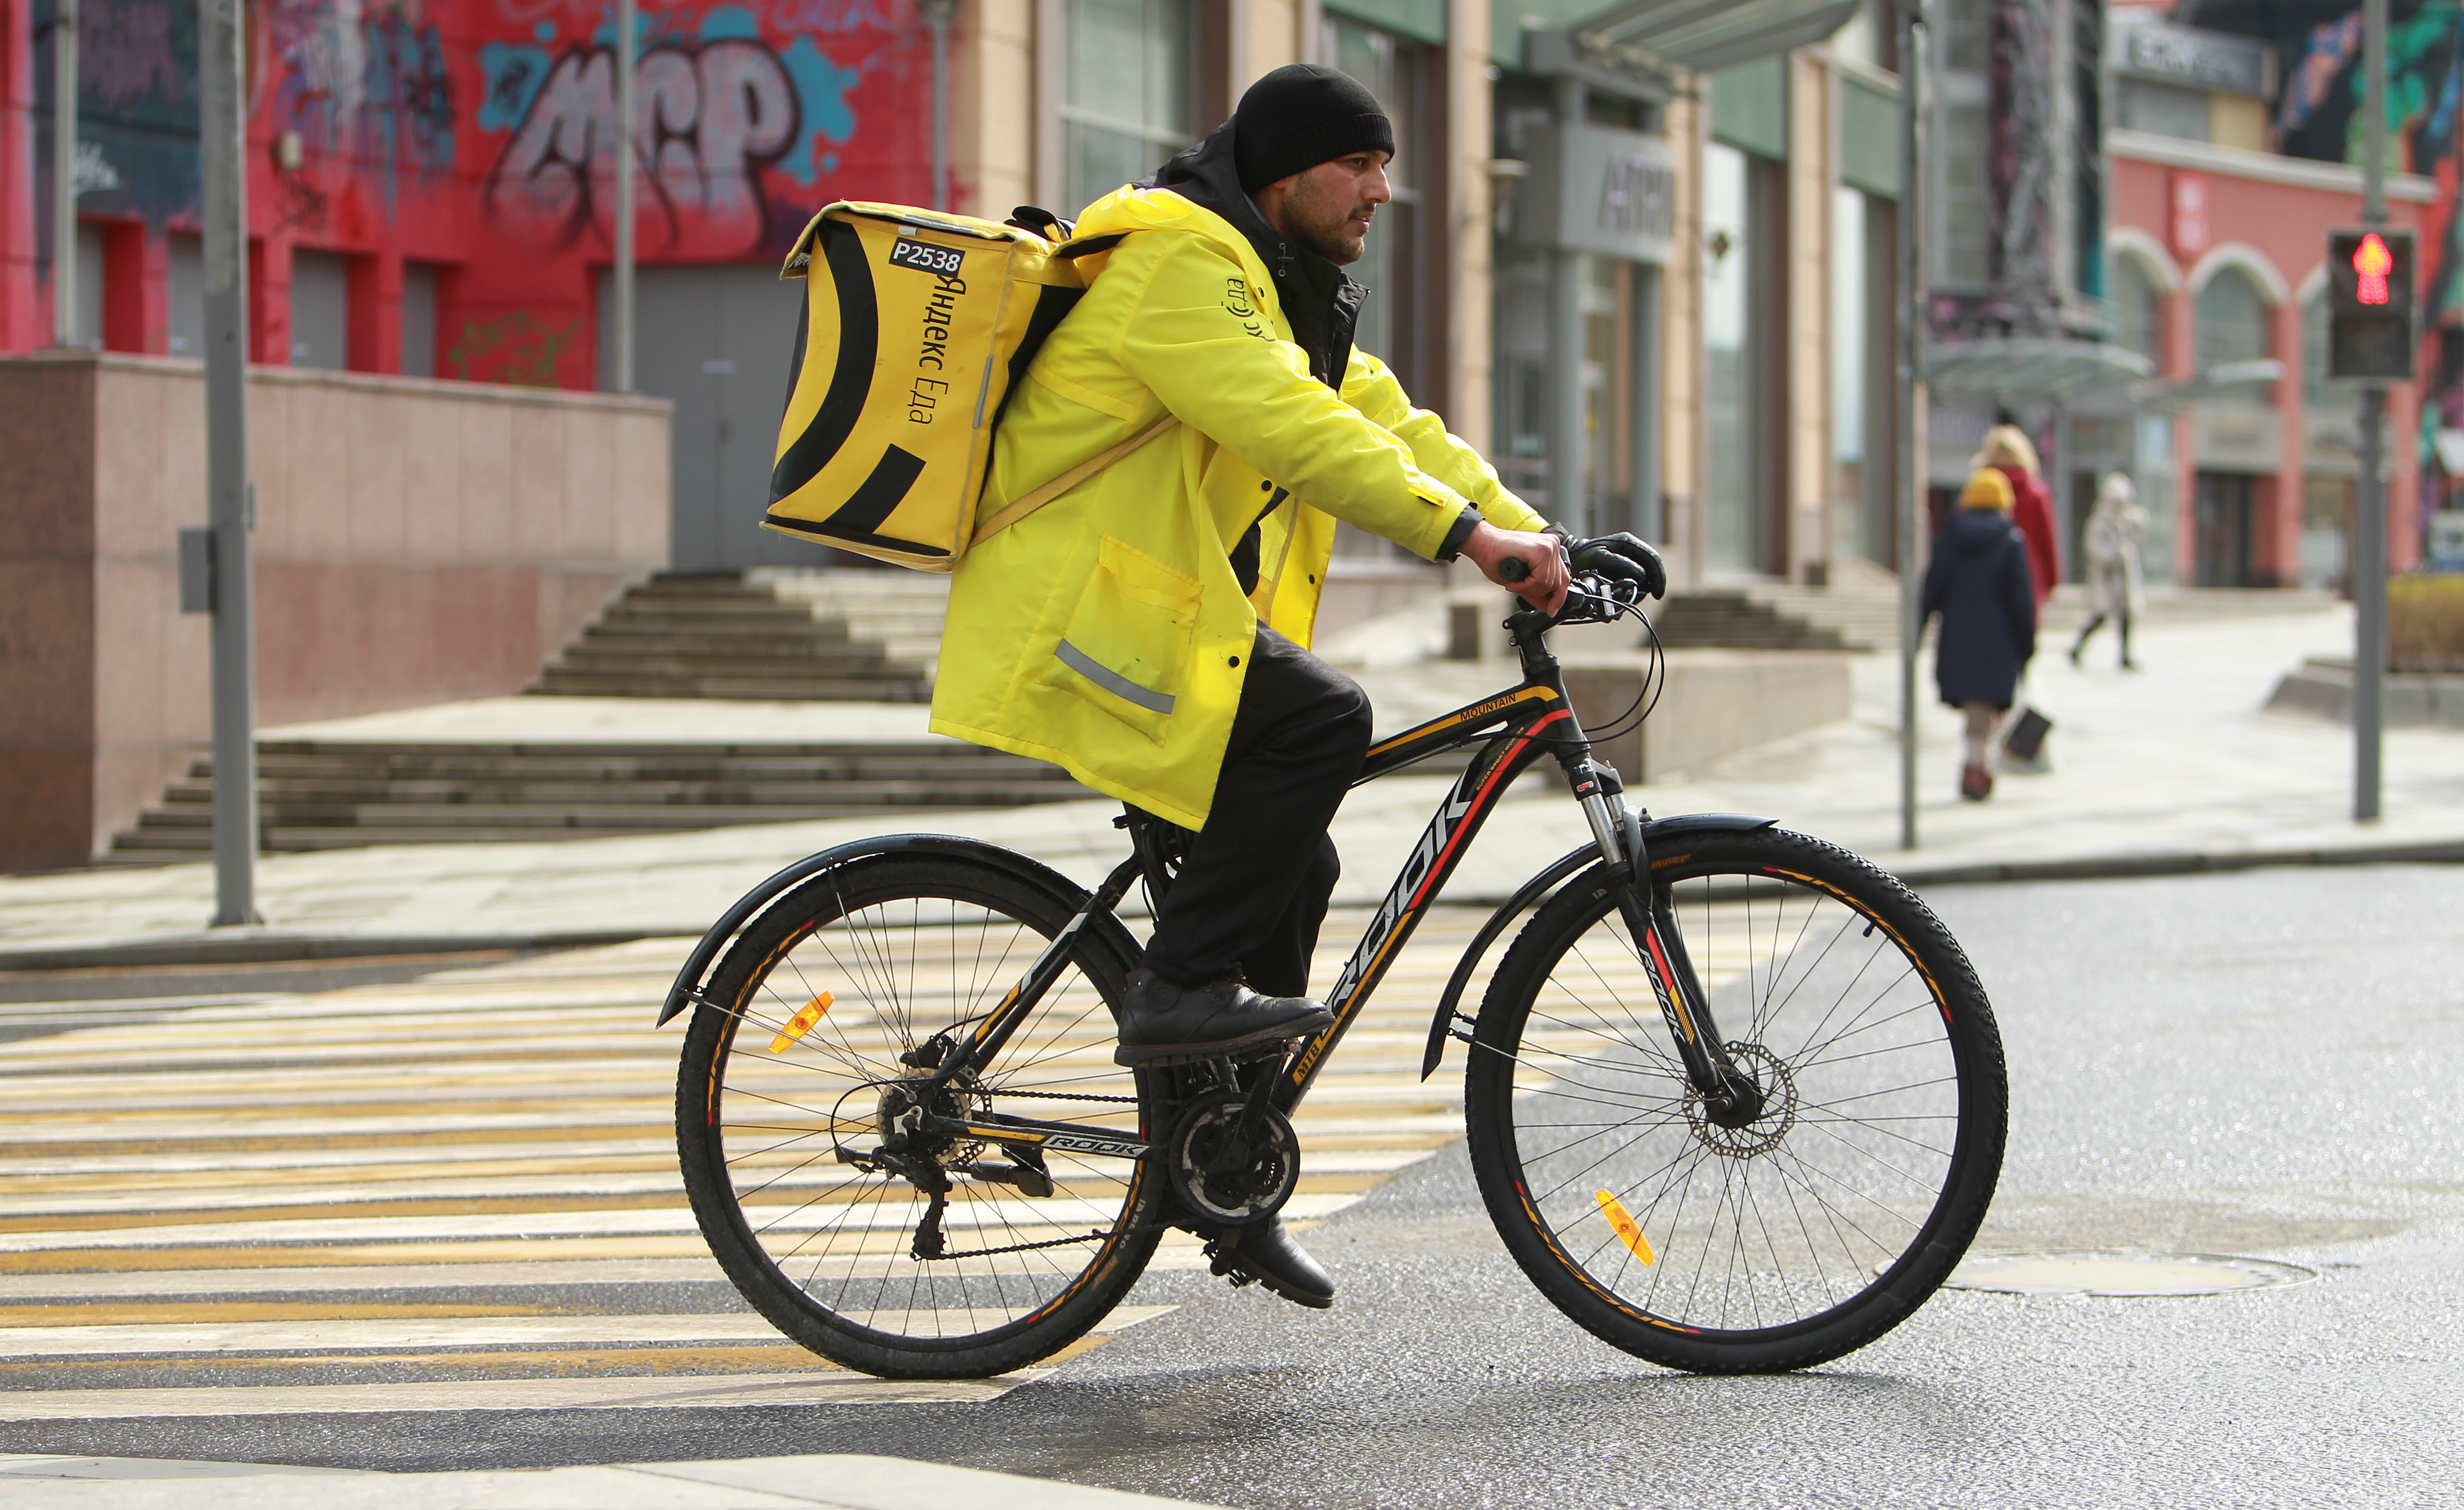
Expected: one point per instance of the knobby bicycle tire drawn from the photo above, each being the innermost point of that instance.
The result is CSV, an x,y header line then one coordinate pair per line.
x,y
1807,1233
777,1081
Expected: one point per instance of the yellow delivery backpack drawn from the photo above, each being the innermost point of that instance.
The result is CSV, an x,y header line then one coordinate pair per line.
x,y
917,324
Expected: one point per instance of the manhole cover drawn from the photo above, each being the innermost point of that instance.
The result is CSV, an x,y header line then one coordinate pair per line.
x,y
2122,1274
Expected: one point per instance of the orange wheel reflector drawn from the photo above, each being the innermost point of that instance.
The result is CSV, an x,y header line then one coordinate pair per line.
x,y
800,1023
1629,1232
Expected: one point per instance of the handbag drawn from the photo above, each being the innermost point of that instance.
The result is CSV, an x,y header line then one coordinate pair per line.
x,y
2025,740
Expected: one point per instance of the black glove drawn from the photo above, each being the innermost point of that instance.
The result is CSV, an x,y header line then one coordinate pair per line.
x,y
1627,560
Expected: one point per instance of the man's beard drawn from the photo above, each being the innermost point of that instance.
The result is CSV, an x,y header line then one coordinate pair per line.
x,y
1317,222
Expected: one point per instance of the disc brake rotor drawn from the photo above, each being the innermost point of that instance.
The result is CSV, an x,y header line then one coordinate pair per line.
x,y
1766,1132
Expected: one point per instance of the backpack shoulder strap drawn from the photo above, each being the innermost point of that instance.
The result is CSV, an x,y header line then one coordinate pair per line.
x,y
1021,507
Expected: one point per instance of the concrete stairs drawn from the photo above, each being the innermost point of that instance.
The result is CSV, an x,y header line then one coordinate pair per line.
x,y
897,609
782,636
695,635
341,795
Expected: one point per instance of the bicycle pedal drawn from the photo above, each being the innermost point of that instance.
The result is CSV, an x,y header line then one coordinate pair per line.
x,y
1222,1261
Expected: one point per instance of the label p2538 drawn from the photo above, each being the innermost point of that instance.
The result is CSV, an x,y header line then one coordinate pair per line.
x,y
925,258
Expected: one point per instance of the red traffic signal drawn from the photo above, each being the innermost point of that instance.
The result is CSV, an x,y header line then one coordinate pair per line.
x,y
2371,263
2369,304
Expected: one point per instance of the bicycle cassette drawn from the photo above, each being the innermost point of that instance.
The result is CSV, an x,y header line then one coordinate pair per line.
x,y
1223,1176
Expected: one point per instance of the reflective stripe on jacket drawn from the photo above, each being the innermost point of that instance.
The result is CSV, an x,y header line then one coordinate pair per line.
x,y
1106,631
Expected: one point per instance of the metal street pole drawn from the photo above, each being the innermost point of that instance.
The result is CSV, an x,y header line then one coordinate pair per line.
x,y
938,15
230,502
2369,501
1911,439
64,156
1568,500
620,370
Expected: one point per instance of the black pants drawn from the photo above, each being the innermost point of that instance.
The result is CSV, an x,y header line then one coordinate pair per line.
x,y
2096,621
1253,891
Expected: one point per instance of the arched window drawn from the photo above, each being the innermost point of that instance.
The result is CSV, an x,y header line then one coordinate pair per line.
x,y
2233,313
2138,309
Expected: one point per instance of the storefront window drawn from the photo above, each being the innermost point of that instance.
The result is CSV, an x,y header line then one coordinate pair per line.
x,y
1733,313
1391,322
1128,98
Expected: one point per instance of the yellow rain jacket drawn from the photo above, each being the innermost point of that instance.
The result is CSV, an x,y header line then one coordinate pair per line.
x,y
1106,631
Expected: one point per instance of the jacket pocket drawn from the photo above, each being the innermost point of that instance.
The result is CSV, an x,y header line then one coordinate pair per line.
x,y
1126,648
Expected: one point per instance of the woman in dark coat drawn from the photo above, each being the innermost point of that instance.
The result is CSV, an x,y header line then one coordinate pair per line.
x,y
1980,583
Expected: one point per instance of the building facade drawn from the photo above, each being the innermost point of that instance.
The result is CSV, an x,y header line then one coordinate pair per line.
x,y
1705,359
2236,151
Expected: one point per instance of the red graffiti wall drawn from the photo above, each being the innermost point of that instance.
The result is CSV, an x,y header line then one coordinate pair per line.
x,y
467,144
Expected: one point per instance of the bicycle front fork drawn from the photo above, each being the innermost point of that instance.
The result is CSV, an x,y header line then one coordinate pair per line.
x,y
1731,1098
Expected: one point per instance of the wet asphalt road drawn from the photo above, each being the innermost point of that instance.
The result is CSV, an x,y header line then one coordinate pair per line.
x,y
2261,1065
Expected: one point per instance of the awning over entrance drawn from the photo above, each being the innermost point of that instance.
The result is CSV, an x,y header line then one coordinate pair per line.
x,y
1715,34
2030,370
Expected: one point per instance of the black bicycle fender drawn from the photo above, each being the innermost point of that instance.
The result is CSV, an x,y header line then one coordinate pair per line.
x,y
687,990
1563,869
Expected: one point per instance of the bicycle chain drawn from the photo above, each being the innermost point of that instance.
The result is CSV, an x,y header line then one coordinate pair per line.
x,y
1057,1095
1022,1247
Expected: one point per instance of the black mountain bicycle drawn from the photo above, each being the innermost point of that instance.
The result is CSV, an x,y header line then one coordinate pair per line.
x,y
1735,1097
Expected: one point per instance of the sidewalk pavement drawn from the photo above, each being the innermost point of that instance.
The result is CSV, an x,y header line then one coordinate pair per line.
x,y
2173,767
840,1481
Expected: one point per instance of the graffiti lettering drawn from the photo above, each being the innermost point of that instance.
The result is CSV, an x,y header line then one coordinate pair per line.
x,y
707,119
376,86
515,348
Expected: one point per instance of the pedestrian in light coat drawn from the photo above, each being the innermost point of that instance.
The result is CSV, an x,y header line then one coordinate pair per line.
x,y
1978,581
2114,532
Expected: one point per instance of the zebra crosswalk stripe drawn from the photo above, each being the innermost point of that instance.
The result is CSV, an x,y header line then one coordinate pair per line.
x,y
468,1181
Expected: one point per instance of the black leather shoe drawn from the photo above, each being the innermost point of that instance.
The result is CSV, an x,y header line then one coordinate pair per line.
x,y
1266,1254
1164,1023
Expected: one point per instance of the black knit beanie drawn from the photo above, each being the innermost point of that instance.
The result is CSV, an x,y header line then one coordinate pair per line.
x,y
1301,114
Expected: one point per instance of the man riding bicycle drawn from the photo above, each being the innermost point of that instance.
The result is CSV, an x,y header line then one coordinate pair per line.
x,y
1147,629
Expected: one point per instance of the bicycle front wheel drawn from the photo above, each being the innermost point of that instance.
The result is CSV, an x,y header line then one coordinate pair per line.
x,y
805,1058
1802,1235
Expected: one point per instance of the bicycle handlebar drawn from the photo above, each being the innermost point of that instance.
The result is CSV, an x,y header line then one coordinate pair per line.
x,y
1617,570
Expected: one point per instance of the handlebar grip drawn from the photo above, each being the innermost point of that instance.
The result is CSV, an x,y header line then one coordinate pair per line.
x,y
1513,569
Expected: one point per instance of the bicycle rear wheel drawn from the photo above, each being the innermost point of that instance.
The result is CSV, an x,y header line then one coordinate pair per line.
x,y
1803,1234
794,1062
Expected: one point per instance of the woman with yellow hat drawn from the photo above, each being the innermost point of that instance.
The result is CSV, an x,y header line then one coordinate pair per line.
x,y
1979,583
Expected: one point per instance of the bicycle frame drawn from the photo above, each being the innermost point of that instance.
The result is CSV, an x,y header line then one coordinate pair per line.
x,y
1518,726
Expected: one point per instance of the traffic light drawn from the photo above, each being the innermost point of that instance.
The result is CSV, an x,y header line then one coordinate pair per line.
x,y
2369,304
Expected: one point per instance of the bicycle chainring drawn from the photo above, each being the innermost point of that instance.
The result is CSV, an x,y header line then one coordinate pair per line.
x,y
1222,1177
